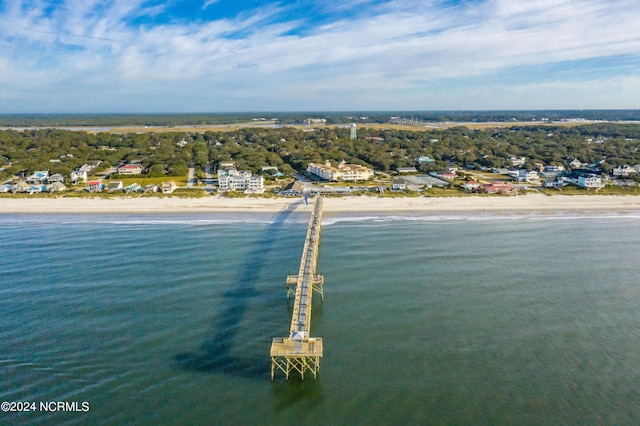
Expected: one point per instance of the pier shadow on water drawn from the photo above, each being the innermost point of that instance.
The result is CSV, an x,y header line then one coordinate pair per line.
x,y
222,351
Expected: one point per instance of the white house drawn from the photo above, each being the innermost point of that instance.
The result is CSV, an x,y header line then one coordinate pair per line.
x,y
168,187
255,184
576,164
624,171
471,186
78,175
524,175
230,179
58,177
517,161
553,168
87,168
590,182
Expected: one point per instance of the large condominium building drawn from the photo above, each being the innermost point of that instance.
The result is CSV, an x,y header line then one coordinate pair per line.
x,y
343,171
230,179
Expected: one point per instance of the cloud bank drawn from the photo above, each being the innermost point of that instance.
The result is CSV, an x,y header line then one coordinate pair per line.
x,y
141,56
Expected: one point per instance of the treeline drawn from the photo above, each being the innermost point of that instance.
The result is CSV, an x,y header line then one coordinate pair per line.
x,y
291,149
332,117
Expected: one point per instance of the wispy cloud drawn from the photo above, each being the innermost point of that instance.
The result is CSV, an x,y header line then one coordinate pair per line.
x,y
371,50
208,3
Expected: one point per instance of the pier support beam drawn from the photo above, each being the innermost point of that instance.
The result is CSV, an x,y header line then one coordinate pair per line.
x,y
298,352
288,356
316,284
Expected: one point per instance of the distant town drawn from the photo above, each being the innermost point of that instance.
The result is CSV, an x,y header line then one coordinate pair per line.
x,y
404,155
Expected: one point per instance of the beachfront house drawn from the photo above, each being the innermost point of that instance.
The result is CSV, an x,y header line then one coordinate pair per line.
x,y
115,185
590,182
56,186
95,186
498,188
150,188
21,186
230,179
398,185
471,186
555,183
168,187
294,189
523,175
134,187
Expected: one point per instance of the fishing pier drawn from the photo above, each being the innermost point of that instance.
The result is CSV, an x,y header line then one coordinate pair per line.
x,y
298,352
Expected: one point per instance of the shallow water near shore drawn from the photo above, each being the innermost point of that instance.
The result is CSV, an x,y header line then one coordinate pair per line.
x,y
438,319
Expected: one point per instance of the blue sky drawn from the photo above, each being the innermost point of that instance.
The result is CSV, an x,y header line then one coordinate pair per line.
x,y
256,55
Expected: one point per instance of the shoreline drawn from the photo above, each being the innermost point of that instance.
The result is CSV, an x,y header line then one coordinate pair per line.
x,y
353,204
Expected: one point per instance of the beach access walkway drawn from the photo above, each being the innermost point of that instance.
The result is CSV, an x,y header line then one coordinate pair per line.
x,y
299,352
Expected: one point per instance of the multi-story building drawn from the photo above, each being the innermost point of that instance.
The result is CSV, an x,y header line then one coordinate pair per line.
x,y
343,171
523,175
624,171
230,179
590,181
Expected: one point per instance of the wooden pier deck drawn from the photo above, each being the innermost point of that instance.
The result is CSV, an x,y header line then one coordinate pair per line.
x,y
299,352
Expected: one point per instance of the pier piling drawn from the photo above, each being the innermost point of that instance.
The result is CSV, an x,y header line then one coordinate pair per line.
x,y
298,352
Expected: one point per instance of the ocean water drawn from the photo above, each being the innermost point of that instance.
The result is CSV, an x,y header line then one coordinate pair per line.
x,y
439,319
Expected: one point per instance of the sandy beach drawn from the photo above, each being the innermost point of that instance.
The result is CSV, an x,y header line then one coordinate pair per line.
x,y
361,204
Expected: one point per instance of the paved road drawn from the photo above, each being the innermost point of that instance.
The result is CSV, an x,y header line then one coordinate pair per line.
x,y
190,178
207,174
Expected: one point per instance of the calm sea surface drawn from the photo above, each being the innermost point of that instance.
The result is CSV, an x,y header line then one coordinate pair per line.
x,y
450,319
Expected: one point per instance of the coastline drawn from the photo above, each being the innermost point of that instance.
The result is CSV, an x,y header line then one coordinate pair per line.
x,y
354,204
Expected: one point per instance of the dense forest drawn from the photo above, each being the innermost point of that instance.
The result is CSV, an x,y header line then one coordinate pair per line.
x,y
290,149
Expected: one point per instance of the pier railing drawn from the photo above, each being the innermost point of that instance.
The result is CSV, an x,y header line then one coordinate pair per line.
x,y
299,352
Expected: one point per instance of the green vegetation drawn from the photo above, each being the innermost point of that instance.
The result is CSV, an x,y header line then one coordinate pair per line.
x,y
166,156
331,117
607,190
